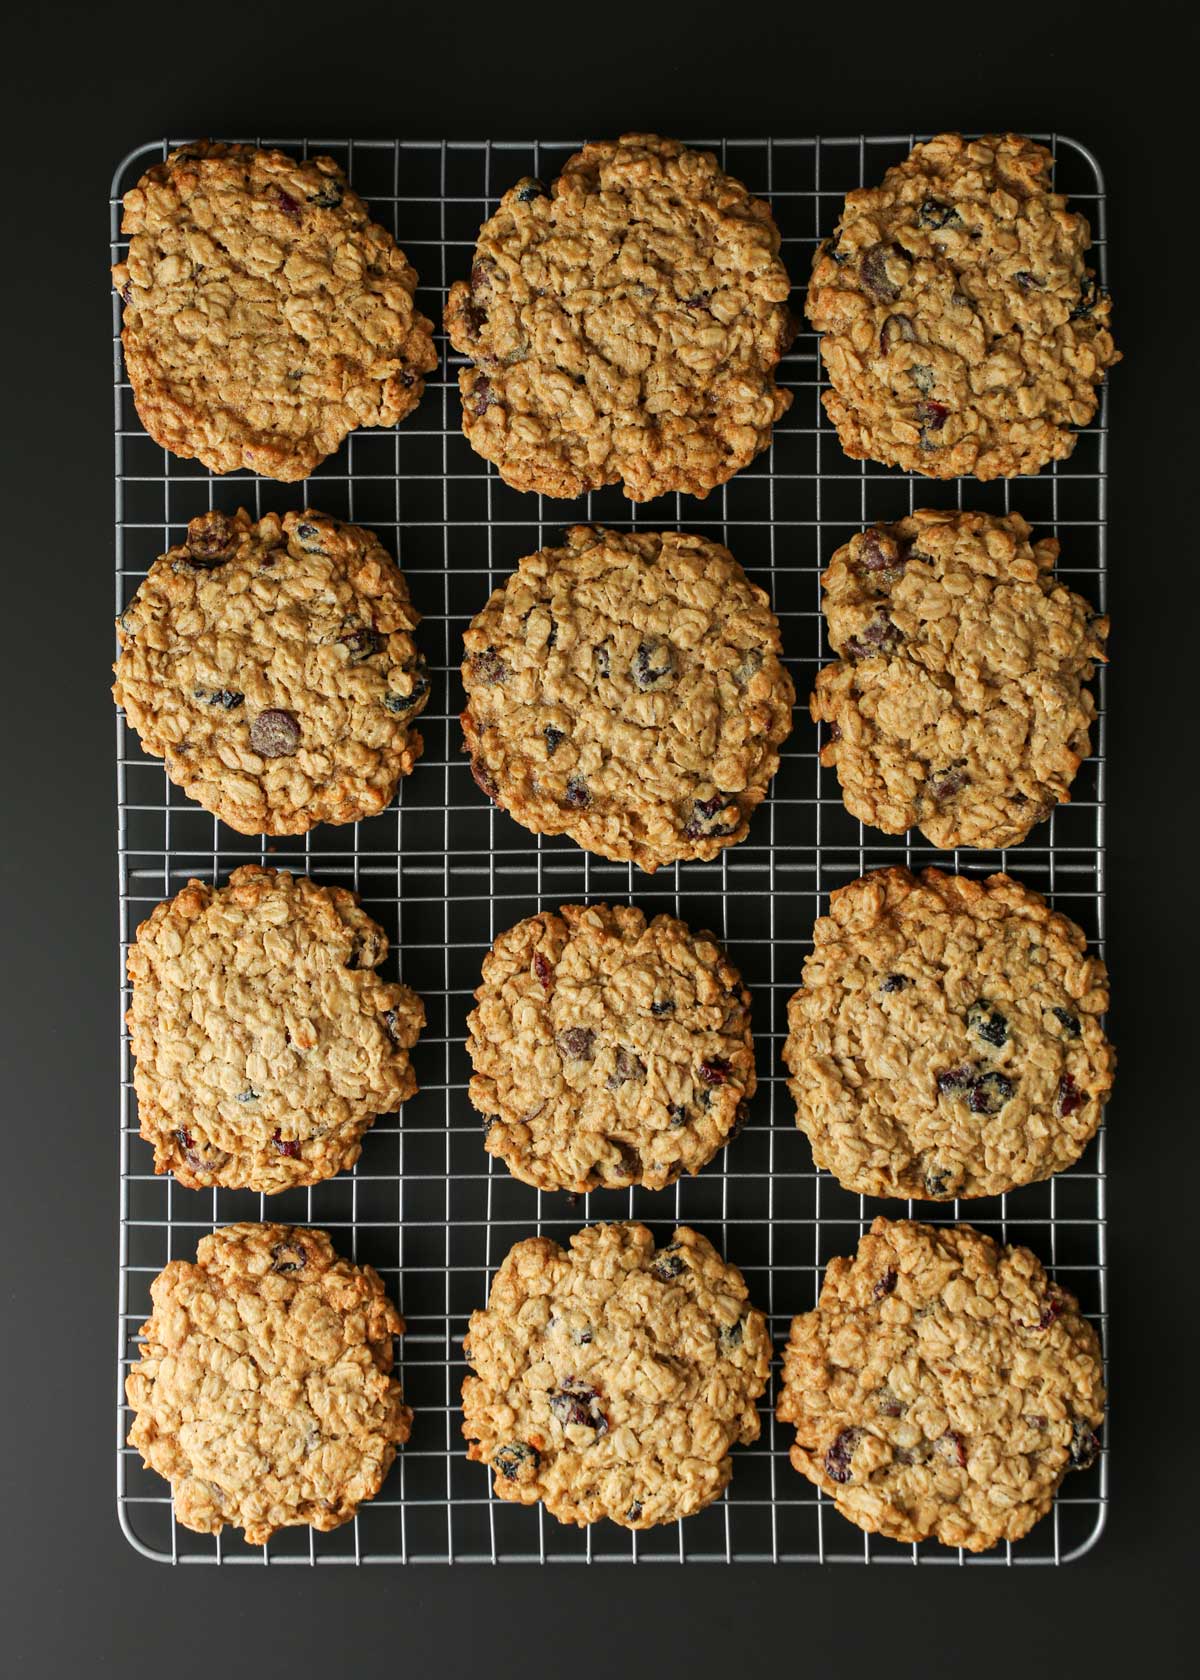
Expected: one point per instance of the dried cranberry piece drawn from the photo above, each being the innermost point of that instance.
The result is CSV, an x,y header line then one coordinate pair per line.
x,y
840,1454
285,1146
886,1284
577,1044
989,1093
543,970
1070,1097
716,1071
955,1448
577,1402
488,667
932,415
275,734
879,636
577,793
628,1066
288,204
1050,1312
479,397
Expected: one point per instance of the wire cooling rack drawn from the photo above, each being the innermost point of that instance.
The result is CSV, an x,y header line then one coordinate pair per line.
x,y
445,872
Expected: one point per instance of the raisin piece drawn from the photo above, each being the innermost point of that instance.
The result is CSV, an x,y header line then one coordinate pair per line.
x,y
488,667
1028,282
228,699
1070,1097
704,811
516,1460
839,1455
285,1146
650,665
628,1066
872,272
666,1007
529,188
363,643
987,1023
483,777
873,556
310,539
391,1026
932,415
1089,296
989,1094
480,398
577,793
1069,1023
577,1044
944,784
897,329
634,1512
576,1402
210,538
729,1337
952,1081
668,1263
886,1284
893,983
935,1182
275,734
553,739
878,637
289,1257
934,214
329,197
399,703
678,1116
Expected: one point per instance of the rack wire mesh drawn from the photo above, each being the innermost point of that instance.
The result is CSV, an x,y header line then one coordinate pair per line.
x,y
445,872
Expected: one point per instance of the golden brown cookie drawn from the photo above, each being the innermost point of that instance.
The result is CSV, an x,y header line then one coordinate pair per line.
x,y
962,331
946,1040
957,701
271,665
265,315
263,1391
613,1380
942,1387
265,1043
608,1050
624,326
628,690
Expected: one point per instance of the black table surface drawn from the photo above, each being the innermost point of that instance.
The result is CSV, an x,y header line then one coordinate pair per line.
x,y
84,85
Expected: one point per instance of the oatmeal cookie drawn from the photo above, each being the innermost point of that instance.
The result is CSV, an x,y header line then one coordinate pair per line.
x,y
962,331
628,690
957,700
613,1380
271,665
264,1391
624,326
265,1043
265,316
609,1051
946,1040
942,1387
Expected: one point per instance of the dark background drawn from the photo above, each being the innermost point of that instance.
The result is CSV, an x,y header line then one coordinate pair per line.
x,y
86,84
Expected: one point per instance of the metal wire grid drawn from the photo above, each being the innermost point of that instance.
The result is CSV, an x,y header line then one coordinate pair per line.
x,y
445,872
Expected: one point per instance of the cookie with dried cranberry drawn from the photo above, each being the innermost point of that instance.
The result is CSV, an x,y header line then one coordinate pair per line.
x,y
265,1043
263,1391
962,331
271,664
608,1051
942,1387
957,702
266,315
624,326
612,1380
627,689
946,1039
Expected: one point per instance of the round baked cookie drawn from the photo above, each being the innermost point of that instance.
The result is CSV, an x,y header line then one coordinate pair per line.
x,y
957,701
942,1387
624,326
613,1380
628,690
265,316
608,1051
265,1043
271,665
264,1391
946,1040
962,331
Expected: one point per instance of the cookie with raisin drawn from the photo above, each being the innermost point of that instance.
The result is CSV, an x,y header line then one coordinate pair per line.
x,y
957,703
264,1041
624,325
271,664
266,316
962,331
627,689
608,1050
263,1389
946,1039
612,1379
942,1387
